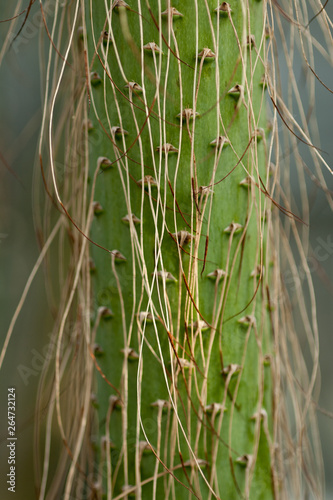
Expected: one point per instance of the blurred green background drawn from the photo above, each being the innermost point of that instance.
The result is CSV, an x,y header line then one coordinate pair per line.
x,y
20,118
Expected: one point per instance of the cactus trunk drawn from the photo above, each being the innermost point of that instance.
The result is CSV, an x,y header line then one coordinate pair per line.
x,y
175,370
183,339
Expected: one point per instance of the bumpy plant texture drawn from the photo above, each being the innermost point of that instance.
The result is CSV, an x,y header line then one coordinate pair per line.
x,y
177,372
181,99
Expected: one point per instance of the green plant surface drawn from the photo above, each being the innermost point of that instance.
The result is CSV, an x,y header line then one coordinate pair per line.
x,y
208,337
181,363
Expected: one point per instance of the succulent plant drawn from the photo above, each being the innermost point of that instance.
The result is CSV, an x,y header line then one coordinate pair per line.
x,y
172,373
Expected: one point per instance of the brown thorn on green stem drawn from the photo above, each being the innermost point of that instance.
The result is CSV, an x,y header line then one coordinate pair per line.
x,y
257,271
117,256
107,442
183,237
161,403
246,182
224,8
144,316
251,41
97,208
118,131
103,162
215,408
233,228
134,87
105,312
206,54
167,148
217,274
187,114
95,78
152,47
171,11
132,218
148,180
165,276
221,142
231,370
247,320
245,460
107,38
130,353
236,91
118,4
98,350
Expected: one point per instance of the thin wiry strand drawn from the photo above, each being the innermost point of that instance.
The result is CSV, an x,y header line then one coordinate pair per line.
x,y
166,323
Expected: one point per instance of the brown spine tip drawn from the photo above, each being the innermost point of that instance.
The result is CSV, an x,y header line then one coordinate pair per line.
x,y
244,460
87,125
204,190
200,325
132,217
152,47
167,148
103,162
263,81
257,271
145,316
268,32
95,78
107,442
92,265
251,41
262,414
245,182
231,369
267,360
172,12
115,402
134,86
105,312
183,237
148,180
218,273
130,353
129,490
106,37
94,400
221,141
236,91
200,461
247,320
184,363
118,4
215,408
161,403
97,207
80,32
223,8
118,257
259,134
98,350
117,131
234,227
165,276
187,114
144,447
206,54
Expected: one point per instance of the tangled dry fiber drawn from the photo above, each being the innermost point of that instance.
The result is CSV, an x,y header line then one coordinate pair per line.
x,y
166,224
